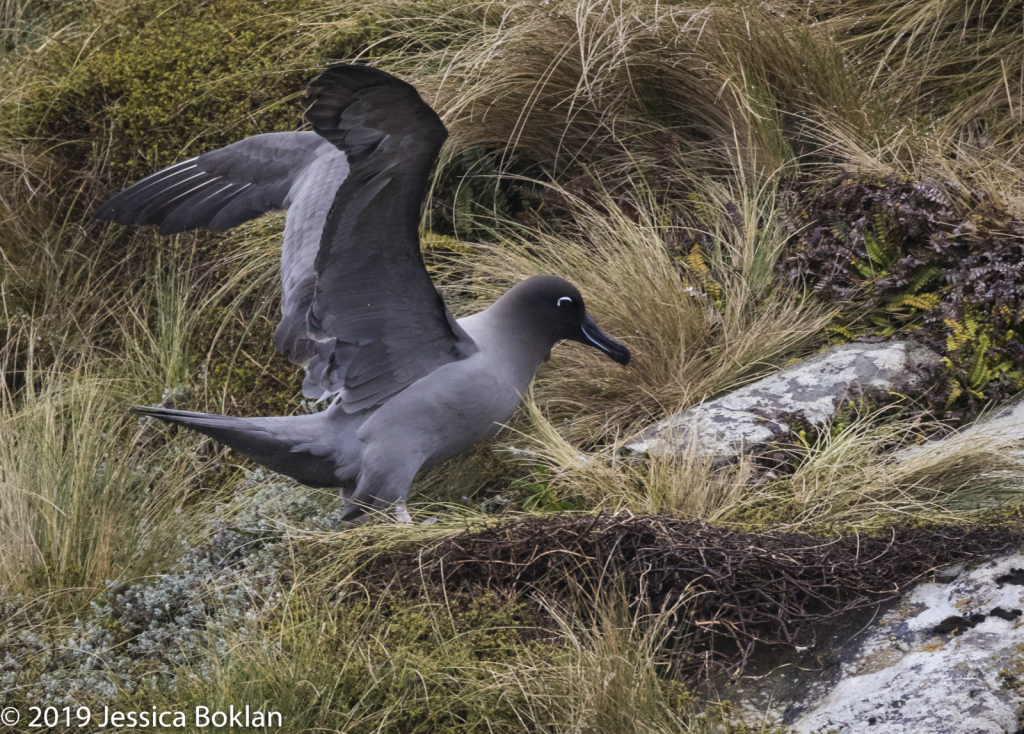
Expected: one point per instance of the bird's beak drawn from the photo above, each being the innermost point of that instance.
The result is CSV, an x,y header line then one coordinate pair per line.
x,y
592,336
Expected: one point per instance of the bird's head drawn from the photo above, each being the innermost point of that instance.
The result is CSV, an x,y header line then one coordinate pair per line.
x,y
554,308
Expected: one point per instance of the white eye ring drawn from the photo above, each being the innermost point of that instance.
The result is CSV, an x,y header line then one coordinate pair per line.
x,y
563,298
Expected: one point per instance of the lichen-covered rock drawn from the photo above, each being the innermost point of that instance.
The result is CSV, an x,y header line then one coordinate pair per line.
x,y
809,391
1001,430
949,658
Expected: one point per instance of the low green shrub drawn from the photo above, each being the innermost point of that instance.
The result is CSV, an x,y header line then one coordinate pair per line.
x,y
937,261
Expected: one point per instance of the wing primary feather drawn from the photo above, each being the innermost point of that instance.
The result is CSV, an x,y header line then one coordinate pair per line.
x,y
226,217
190,214
189,192
144,209
139,189
206,212
210,196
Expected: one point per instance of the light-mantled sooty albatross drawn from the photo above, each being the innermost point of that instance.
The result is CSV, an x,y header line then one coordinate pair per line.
x,y
409,385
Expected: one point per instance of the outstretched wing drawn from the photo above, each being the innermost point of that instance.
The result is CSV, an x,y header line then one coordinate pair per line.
x,y
379,322
220,189
298,171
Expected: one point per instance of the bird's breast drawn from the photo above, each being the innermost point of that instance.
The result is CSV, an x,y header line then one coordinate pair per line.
x,y
447,412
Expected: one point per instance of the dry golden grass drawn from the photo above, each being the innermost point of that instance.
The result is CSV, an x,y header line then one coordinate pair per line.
x,y
85,496
850,480
585,81
690,339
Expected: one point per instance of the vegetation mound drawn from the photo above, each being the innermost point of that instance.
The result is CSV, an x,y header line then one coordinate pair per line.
x,y
735,589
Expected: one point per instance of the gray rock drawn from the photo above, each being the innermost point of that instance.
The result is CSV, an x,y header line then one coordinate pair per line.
x,y
812,389
1002,430
947,659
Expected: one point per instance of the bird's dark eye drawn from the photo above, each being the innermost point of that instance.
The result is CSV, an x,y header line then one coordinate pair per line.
x,y
564,298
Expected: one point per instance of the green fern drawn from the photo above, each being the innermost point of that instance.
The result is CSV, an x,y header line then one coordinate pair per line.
x,y
840,334
876,255
840,230
922,303
925,276
979,374
956,389
881,221
864,270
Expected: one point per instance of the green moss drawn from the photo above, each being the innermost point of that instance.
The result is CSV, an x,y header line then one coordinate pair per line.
x,y
162,78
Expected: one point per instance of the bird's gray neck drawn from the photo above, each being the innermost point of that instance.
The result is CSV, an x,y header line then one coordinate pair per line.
x,y
508,342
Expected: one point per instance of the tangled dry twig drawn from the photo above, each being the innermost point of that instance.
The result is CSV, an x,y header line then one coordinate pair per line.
x,y
736,587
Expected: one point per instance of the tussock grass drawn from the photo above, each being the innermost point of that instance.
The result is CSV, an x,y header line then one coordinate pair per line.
x,y
604,479
861,478
963,59
86,494
419,663
849,479
615,678
583,81
691,337
80,498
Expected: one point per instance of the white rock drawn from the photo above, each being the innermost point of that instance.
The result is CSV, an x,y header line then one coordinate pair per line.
x,y
812,389
940,662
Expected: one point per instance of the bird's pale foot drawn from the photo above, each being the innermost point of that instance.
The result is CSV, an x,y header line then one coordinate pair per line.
x,y
402,514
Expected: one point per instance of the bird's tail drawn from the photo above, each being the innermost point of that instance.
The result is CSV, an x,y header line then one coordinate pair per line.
x,y
292,445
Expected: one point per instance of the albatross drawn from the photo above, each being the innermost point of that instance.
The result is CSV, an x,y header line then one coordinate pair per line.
x,y
408,385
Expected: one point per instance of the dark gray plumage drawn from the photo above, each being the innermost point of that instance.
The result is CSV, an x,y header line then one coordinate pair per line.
x,y
410,386
297,171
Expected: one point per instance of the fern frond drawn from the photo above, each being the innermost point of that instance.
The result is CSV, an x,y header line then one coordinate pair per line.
x,y
864,270
876,251
698,266
923,303
954,393
979,374
432,241
842,332
881,221
694,262
923,278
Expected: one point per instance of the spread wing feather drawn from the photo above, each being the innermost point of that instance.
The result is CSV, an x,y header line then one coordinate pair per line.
x,y
298,171
358,304
220,189
379,321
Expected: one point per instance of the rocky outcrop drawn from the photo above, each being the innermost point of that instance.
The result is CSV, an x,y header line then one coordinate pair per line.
x,y
809,391
947,659
1001,430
